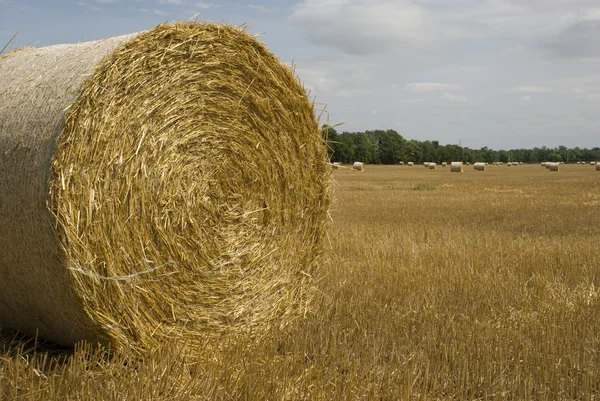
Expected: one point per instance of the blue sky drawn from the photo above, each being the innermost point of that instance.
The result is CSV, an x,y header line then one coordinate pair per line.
x,y
496,73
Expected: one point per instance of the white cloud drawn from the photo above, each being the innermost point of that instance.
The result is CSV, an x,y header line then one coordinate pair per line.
x,y
559,28
318,80
153,11
530,89
261,8
351,92
420,87
88,6
580,39
593,96
106,1
453,98
205,6
362,27
197,4
525,100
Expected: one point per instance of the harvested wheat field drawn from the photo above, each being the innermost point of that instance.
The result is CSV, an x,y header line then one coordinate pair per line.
x,y
438,286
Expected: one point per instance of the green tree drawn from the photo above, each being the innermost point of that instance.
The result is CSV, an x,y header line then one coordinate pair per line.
x,y
364,148
344,149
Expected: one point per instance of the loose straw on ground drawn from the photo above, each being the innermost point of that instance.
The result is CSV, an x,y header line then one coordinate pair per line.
x,y
137,200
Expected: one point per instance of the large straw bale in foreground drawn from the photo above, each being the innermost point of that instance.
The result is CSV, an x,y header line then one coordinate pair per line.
x,y
183,194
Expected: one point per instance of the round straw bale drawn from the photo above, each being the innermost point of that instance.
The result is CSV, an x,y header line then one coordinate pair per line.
x,y
358,166
161,185
411,164
401,163
553,166
597,166
444,164
456,167
543,164
592,163
432,166
479,166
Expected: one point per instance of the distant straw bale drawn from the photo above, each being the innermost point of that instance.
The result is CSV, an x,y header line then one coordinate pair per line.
x,y
432,166
401,163
358,166
411,164
553,166
479,166
444,164
171,184
598,166
456,167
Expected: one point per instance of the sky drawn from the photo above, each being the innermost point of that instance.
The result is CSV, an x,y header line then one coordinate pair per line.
x,y
498,73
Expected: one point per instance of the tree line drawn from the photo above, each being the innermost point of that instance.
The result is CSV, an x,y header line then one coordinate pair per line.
x,y
389,147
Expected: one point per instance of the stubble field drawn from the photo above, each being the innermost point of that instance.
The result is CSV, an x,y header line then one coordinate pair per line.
x,y
480,285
